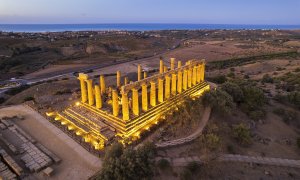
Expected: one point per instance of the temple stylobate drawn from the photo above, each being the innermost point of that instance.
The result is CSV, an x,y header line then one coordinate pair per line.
x,y
125,110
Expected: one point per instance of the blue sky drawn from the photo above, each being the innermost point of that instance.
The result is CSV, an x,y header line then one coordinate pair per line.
x,y
151,11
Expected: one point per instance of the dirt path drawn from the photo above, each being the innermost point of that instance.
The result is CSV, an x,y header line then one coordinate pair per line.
x,y
183,161
76,163
191,137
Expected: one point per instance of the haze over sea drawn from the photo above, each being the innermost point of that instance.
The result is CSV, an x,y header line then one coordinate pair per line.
x,y
132,27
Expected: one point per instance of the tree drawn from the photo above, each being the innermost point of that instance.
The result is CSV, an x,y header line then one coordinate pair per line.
x,y
234,90
219,100
131,164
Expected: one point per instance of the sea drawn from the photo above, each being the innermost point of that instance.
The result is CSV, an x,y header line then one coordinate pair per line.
x,y
134,27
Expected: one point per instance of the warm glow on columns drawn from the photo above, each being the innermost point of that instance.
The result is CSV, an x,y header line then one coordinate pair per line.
x,y
118,78
126,80
198,73
160,90
179,82
185,79
98,97
145,75
102,84
144,97
83,90
167,87
139,72
152,94
174,85
90,91
190,72
203,72
115,103
125,108
172,63
194,76
165,68
161,66
179,64
135,102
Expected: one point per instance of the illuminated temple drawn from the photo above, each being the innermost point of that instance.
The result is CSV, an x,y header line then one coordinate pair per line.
x,y
128,109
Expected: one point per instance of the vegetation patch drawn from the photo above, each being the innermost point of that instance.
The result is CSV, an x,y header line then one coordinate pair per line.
x,y
128,163
242,134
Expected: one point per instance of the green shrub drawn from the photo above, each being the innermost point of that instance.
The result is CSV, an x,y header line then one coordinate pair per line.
x,y
242,134
128,164
234,90
219,100
231,75
212,141
220,79
257,114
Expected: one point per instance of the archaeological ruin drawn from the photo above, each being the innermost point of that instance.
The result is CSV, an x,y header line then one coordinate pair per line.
x,y
124,111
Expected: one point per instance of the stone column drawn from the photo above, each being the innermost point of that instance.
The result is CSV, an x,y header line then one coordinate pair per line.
x,y
139,72
179,64
174,84
172,63
194,76
198,73
83,90
179,82
118,78
160,90
145,75
152,94
135,102
82,78
115,102
90,91
165,69
125,108
185,79
144,97
98,97
190,72
167,87
203,72
161,66
126,81
102,84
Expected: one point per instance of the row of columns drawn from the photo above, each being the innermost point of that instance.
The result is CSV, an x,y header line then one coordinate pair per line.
x,y
161,90
165,87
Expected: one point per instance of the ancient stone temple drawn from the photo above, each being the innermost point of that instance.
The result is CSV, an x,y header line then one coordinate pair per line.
x,y
123,112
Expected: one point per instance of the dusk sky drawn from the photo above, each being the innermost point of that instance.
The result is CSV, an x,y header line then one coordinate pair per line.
x,y
151,11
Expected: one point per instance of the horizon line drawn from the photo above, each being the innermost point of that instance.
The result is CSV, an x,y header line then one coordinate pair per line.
x,y
250,24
